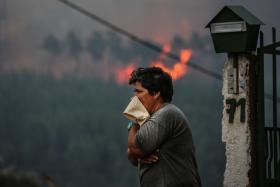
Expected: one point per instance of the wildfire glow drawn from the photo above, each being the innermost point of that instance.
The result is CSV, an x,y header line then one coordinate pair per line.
x,y
185,55
166,49
123,74
178,70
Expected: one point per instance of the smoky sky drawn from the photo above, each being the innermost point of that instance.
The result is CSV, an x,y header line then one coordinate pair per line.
x,y
157,19
28,26
97,44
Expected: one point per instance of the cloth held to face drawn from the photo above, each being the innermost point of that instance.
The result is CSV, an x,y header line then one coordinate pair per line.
x,y
136,111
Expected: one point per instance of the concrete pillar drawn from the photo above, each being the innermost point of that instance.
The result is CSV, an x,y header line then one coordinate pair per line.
x,y
238,123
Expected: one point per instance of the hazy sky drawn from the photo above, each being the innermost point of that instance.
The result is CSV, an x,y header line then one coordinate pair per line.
x,y
28,22
159,19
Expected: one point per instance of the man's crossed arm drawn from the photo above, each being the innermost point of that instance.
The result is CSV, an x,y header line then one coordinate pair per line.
x,y
135,153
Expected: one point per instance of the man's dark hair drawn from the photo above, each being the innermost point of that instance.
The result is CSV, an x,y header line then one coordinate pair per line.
x,y
154,79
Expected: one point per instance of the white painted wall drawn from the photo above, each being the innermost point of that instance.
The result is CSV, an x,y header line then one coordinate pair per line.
x,y
236,135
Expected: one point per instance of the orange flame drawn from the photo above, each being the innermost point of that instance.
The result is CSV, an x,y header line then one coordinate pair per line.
x,y
122,74
185,55
178,70
166,49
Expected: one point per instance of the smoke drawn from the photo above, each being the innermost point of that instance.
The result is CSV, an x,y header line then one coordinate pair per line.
x,y
70,52
58,41
107,56
112,56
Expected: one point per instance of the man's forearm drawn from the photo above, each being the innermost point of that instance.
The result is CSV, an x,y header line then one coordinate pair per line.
x,y
134,150
132,135
133,160
135,154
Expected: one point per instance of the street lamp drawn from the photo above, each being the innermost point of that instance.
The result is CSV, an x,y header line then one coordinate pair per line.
x,y
234,29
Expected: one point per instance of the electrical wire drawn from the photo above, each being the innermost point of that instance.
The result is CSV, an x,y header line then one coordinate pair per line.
x,y
139,40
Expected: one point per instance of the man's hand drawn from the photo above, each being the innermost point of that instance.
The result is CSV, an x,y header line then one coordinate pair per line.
x,y
151,158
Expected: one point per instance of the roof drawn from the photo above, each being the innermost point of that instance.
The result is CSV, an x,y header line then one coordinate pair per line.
x,y
242,13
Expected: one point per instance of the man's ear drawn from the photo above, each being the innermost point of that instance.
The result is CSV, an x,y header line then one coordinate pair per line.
x,y
156,95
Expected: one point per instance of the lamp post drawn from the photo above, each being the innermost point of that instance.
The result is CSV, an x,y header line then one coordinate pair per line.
x,y
235,31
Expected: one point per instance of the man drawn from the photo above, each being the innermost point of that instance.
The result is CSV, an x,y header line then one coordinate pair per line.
x,y
162,147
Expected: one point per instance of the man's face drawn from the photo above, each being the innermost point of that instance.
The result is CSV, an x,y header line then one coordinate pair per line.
x,y
146,99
